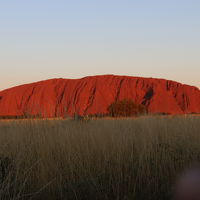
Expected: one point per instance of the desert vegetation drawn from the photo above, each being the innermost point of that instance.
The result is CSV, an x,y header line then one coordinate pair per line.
x,y
125,108
121,159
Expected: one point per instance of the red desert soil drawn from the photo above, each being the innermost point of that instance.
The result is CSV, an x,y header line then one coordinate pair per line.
x,y
92,95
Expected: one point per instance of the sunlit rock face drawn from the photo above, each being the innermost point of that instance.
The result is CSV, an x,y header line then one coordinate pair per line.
x,y
92,95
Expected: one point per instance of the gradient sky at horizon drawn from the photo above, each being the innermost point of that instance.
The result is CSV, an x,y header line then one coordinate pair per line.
x,y
43,39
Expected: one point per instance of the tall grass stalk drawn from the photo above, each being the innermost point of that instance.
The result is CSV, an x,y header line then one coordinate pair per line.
x,y
124,159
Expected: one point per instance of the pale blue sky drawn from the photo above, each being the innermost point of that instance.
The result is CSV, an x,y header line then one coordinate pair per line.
x,y
42,39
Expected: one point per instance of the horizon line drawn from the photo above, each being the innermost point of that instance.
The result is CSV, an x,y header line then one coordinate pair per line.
x,y
87,76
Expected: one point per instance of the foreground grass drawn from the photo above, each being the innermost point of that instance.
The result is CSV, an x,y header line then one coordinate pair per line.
x,y
98,160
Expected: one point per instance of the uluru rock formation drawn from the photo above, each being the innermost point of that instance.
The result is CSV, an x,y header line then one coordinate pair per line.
x,y
93,95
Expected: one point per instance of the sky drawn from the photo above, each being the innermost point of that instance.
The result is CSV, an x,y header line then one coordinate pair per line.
x,y
43,39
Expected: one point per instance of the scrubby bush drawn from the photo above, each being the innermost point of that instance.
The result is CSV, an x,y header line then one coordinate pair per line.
x,y
125,108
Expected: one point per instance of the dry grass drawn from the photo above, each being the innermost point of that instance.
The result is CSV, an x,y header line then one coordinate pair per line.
x,y
99,160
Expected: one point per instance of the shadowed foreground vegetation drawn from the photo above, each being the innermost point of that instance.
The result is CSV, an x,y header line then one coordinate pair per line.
x,y
121,159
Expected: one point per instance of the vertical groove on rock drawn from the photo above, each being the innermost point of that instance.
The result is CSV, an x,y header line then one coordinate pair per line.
x,y
80,86
91,99
59,100
119,90
29,97
148,96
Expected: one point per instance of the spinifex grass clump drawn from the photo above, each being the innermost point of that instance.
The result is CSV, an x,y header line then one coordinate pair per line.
x,y
99,160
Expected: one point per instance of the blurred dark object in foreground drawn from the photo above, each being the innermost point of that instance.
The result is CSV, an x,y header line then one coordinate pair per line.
x,y
188,184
